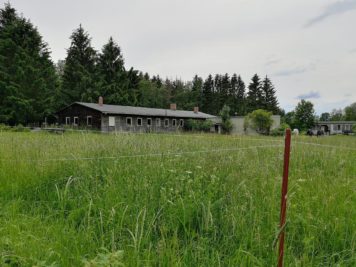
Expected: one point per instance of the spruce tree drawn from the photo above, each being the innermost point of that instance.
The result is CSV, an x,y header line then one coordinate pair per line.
x,y
28,78
254,94
197,91
79,78
270,101
113,77
232,95
208,95
240,97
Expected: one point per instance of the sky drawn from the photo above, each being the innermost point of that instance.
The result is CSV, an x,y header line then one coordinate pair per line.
x,y
306,47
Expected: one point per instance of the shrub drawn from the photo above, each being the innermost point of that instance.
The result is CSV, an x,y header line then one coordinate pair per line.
x,y
226,123
198,125
20,128
261,120
280,130
4,128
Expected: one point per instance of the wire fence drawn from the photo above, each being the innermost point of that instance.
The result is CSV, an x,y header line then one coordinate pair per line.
x,y
161,154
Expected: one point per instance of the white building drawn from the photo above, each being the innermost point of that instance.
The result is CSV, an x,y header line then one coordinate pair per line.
x,y
335,127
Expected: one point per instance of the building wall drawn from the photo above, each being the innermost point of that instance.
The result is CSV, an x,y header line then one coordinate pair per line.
x,y
121,124
238,125
82,113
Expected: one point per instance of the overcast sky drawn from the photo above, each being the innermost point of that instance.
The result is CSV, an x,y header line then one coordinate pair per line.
x,y
307,47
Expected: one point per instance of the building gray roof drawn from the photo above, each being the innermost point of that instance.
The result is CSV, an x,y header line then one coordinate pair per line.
x,y
141,111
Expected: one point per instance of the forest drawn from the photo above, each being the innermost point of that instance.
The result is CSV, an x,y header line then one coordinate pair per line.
x,y
33,87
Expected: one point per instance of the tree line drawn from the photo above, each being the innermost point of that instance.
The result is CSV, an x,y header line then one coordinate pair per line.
x,y
32,87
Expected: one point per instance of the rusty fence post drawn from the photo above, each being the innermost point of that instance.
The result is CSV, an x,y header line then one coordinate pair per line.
x,y
284,197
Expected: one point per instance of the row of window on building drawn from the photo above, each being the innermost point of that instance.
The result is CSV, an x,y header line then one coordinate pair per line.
x,y
129,121
338,127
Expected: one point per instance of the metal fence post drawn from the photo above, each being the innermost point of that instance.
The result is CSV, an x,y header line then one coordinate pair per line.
x,y
284,197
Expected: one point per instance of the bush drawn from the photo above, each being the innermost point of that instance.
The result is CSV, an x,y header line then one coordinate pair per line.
x,y
20,128
280,130
226,123
354,128
4,128
198,125
261,120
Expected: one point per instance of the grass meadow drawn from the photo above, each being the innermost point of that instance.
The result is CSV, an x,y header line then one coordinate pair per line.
x,y
86,199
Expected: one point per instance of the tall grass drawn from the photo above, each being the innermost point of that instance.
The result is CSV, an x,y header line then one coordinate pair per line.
x,y
146,200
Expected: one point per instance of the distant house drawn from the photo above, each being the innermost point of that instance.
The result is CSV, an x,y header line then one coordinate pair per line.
x,y
109,118
335,127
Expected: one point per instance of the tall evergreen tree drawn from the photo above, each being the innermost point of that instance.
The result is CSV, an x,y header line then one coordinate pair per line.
x,y
270,101
27,75
79,78
254,94
197,91
224,91
208,95
240,97
113,77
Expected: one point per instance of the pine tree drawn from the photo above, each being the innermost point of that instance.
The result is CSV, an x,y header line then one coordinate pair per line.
x,y
208,95
197,91
240,96
254,94
79,76
28,78
224,91
270,101
113,77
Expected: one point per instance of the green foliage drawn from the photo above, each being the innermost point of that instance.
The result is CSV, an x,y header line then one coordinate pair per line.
x,y
28,79
79,77
261,120
269,98
280,131
226,123
324,116
254,94
336,115
304,117
350,112
289,118
198,125
354,128
106,259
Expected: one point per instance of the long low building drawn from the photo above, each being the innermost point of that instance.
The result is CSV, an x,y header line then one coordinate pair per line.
x,y
335,127
109,118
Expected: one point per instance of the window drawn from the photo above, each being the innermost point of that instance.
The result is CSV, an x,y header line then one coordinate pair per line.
x,y
181,123
338,127
89,120
174,122
67,120
166,122
128,121
111,121
149,121
76,121
158,122
139,121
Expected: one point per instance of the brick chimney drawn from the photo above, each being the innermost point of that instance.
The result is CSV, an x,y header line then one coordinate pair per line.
x,y
101,101
196,109
173,106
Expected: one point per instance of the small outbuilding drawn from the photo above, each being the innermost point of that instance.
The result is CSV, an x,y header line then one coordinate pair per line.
x,y
107,118
335,127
